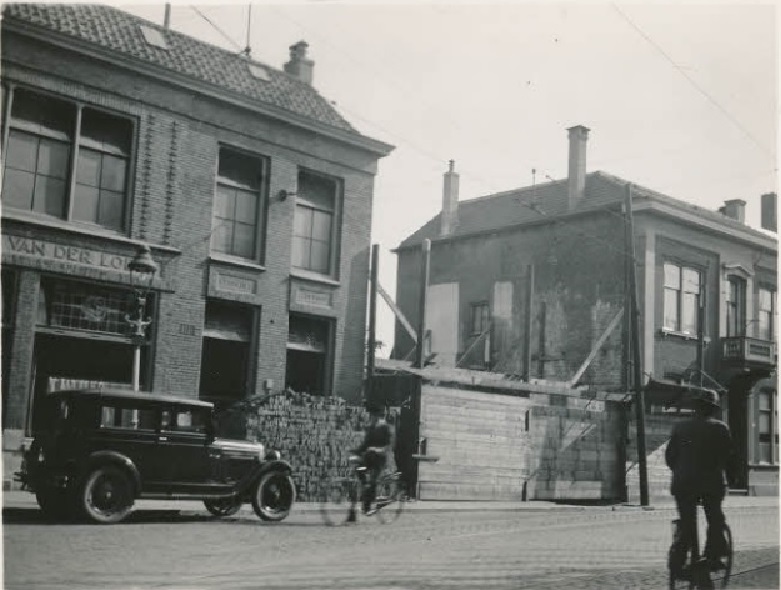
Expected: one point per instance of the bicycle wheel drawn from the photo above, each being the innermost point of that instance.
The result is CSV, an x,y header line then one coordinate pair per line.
x,y
337,498
390,498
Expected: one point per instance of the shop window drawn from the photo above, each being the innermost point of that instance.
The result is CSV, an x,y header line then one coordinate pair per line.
x,y
736,306
309,356
481,318
767,430
238,205
51,141
80,306
315,225
766,310
681,298
227,344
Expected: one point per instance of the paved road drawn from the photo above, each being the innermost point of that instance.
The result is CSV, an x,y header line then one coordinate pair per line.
x,y
594,548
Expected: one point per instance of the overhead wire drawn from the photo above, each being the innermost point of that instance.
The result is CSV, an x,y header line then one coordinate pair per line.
x,y
216,28
694,83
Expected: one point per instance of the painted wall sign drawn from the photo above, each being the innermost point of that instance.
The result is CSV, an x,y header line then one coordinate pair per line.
x,y
64,253
236,284
303,296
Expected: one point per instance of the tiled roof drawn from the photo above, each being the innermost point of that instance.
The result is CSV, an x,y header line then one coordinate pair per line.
x,y
534,204
119,31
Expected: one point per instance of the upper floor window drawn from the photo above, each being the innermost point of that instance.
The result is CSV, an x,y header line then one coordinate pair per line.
x,y
736,306
66,160
681,298
315,224
766,309
480,317
238,213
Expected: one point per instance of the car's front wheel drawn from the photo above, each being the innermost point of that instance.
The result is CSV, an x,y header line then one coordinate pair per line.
x,y
223,507
106,496
274,496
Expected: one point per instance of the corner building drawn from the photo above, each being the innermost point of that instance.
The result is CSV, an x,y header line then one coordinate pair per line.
x,y
253,194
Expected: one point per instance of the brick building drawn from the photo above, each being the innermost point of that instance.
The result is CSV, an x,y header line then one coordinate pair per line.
x,y
532,283
253,194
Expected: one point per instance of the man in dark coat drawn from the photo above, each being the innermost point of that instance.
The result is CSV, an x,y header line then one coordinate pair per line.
x,y
700,455
373,450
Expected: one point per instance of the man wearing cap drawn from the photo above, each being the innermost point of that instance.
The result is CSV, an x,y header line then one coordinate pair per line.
x,y
700,455
373,450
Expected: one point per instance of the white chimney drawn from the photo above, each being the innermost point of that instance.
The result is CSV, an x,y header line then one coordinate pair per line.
x,y
449,216
299,66
576,173
734,209
768,218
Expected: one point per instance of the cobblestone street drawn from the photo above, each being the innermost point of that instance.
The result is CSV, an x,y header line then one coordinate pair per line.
x,y
424,549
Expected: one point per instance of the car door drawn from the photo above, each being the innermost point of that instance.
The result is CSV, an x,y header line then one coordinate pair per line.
x,y
130,428
184,440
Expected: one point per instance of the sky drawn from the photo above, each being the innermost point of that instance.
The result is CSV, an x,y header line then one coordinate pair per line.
x,y
681,99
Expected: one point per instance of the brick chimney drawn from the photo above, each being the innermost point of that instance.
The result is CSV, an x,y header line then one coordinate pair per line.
x,y
449,216
768,215
299,66
734,209
576,172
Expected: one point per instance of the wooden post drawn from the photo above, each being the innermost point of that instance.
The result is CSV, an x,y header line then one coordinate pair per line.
x,y
637,368
425,264
370,361
527,344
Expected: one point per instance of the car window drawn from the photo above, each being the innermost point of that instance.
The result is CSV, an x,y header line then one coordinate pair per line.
x,y
127,418
181,420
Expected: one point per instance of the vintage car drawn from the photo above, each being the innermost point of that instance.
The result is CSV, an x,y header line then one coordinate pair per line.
x,y
101,450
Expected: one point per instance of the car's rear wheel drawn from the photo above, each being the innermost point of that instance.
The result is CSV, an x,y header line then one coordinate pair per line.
x,y
106,496
56,503
274,496
223,507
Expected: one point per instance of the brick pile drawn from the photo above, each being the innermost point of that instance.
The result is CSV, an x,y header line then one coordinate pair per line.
x,y
315,434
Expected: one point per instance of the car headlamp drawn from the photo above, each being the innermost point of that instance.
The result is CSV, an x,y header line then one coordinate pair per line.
x,y
273,455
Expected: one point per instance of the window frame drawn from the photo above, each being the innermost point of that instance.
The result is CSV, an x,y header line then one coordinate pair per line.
x,y
766,332
336,224
680,298
770,437
262,204
735,320
74,144
484,310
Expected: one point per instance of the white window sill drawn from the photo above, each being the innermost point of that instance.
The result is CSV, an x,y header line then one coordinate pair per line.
x,y
314,277
682,335
235,261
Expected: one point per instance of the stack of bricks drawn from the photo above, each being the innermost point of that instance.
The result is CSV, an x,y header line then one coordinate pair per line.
x,y
315,434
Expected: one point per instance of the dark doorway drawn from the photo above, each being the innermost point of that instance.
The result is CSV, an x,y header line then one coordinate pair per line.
x,y
87,362
737,419
305,371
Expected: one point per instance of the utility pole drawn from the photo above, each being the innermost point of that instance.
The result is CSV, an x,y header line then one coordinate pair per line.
x,y
370,361
425,263
527,341
637,368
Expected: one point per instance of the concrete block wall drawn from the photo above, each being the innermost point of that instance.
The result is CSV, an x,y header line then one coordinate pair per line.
x,y
517,446
657,433
574,449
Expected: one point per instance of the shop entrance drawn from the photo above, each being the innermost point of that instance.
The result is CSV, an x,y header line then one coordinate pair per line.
x,y
61,362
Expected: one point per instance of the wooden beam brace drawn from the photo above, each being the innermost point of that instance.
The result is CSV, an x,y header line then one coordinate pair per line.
x,y
397,312
595,349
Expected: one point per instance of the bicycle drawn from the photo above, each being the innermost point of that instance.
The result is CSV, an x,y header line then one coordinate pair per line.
x,y
697,572
340,497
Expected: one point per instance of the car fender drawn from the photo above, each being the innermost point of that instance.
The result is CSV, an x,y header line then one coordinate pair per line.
x,y
114,458
274,465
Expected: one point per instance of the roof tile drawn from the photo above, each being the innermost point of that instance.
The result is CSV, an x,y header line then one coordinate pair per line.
x,y
120,31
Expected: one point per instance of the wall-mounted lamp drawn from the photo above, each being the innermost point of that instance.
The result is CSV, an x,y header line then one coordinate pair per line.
x,y
283,194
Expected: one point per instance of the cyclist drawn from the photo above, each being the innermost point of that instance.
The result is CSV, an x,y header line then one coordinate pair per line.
x,y
700,454
373,452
